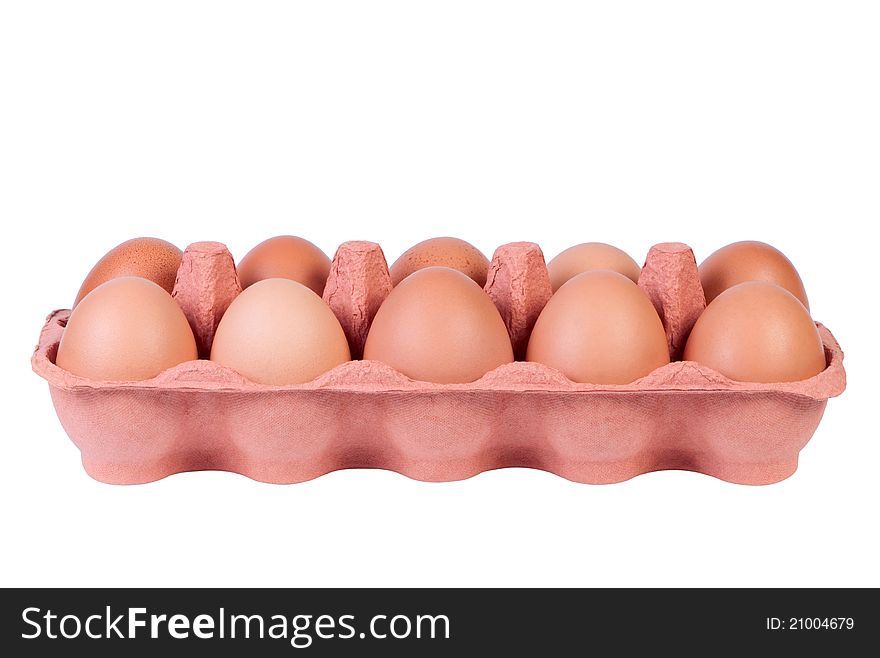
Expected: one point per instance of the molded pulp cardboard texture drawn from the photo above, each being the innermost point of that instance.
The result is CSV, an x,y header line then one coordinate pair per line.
x,y
363,414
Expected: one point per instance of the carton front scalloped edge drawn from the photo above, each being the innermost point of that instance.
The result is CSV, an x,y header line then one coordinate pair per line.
x,y
200,415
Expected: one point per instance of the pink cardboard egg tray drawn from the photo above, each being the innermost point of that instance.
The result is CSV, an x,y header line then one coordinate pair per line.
x,y
363,414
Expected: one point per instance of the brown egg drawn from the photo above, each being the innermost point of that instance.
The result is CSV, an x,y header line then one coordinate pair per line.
x,y
149,258
749,261
588,257
286,257
439,326
757,332
599,328
127,329
445,252
279,332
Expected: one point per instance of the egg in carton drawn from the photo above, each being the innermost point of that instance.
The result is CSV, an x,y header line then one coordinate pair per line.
x,y
201,415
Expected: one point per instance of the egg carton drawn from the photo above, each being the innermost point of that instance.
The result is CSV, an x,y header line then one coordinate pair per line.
x,y
200,415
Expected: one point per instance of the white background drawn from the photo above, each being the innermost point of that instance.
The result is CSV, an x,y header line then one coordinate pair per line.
x,y
632,123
